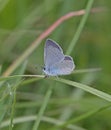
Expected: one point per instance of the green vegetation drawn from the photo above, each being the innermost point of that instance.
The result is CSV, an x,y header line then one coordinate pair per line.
x,y
80,101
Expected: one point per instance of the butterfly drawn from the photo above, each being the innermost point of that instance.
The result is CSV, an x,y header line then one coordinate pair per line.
x,y
56,63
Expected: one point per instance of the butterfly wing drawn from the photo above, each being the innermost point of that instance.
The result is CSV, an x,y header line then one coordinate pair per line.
x,y
64,67
53,53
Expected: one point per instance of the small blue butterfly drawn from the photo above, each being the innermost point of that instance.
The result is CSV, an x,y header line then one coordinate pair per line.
x,y
56,63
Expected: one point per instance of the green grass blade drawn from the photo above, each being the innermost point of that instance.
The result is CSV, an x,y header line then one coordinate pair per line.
x,y
86,88
80,27
43,107
83,116
24,76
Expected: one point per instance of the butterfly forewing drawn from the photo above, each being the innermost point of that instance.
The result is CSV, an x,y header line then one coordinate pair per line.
x,y
52,53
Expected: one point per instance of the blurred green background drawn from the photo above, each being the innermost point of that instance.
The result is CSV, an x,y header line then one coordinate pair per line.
x,y
21,22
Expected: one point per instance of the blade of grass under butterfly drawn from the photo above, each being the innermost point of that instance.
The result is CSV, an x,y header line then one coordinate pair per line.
x,y
24,76
86,88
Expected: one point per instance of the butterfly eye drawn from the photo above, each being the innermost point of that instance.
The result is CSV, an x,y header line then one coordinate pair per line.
x,y
44,68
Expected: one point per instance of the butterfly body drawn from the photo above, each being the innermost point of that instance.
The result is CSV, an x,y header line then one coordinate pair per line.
x,y
56,63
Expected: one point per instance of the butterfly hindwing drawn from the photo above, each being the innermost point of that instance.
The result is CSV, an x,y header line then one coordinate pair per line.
x,y
64,67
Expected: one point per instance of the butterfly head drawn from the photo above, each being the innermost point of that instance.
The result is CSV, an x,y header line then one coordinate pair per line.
x,y
44,70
